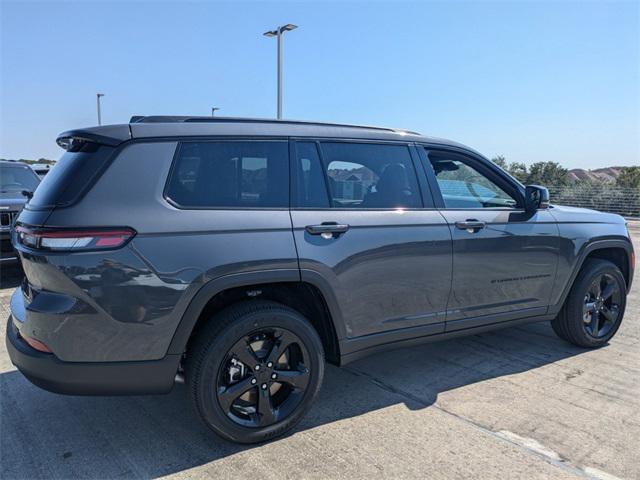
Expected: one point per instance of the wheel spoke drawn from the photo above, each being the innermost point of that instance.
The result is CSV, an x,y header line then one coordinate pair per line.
x,y
243,352
590,307
227,395
595,323
282,341
610,314
595,288
265,408
609,290
298,379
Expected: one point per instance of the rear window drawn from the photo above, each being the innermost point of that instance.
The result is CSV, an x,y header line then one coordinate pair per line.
x,y
230,174
71,176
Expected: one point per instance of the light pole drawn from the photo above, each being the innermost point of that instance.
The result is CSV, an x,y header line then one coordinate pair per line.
x,y
278,32
98,95
213,111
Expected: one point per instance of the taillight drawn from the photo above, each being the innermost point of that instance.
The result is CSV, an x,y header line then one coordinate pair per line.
x,y
73,240
36,344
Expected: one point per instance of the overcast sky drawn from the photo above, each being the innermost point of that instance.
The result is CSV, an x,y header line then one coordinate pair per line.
x,y
532,81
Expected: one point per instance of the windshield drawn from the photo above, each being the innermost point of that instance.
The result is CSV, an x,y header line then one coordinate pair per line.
x,y
15,178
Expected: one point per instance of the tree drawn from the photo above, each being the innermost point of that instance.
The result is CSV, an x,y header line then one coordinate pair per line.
x,y
629,178
519,170
516,169
548,173
500,161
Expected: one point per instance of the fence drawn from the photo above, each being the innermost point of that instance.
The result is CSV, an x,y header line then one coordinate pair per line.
x,y
603,197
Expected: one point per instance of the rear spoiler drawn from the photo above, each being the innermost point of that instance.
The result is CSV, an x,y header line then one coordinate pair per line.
x,y
111,135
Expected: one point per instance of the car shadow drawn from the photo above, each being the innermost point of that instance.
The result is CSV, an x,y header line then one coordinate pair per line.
x,y
152,436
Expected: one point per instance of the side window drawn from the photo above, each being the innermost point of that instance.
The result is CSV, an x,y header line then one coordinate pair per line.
x,y
463,186
362,175
310,189
230,174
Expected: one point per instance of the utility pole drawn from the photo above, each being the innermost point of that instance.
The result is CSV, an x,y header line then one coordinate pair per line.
x,y
278,32
98,95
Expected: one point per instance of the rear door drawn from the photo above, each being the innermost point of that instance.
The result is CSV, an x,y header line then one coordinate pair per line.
x,y
504,258
361,226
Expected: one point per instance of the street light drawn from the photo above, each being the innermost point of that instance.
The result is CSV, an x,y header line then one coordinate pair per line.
x,y
98,95
278,33
213,111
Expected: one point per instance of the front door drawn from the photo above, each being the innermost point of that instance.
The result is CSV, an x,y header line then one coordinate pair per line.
x,y
360,224
504,259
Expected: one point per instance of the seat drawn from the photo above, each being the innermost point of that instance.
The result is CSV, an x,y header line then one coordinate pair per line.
x,y
392,189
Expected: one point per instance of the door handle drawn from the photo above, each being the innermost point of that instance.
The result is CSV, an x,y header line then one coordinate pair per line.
x,y
327,229
471,225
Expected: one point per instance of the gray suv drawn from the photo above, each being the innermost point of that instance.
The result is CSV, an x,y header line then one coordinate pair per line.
x,y
241,254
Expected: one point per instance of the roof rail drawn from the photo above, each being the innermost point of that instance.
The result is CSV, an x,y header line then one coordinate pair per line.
x,y
188,119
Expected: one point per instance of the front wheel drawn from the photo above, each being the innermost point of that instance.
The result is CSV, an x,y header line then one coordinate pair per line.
x,y
254,371
595,306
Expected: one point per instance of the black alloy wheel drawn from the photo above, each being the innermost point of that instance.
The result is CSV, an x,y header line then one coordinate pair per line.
x,y
601,306
594,307
253,370
264,377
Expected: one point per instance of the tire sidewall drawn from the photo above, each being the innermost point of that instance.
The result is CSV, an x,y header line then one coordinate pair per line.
x,y
206,398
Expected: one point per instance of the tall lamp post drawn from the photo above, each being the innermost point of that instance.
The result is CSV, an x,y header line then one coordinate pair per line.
x,y
278,32
98,95
213,111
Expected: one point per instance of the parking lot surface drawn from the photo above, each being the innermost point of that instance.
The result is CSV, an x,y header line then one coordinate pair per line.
x,y
515,403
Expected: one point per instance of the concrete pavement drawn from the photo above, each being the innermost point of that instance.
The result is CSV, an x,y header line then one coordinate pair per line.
x,y
515,403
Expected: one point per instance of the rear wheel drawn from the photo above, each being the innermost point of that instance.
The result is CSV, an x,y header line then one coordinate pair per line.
x,y
595,306
255,370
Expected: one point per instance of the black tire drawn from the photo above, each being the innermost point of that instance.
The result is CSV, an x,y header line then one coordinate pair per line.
x,y
211,358
575,322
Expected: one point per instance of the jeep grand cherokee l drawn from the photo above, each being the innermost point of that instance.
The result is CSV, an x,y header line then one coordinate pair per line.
x,y
242,253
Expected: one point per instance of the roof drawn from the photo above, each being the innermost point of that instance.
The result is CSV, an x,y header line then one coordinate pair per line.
x,y
186,126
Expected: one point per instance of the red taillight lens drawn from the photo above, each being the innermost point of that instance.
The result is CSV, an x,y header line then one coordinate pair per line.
x,y
74,240
36,344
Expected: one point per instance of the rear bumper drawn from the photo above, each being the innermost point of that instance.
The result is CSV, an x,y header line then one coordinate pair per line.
x,y
90,378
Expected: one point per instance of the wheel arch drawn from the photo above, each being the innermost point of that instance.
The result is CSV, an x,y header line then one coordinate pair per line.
x,y
283,286
617,251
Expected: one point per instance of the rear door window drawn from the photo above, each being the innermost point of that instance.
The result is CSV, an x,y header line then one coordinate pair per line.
x,y
247,174
374,176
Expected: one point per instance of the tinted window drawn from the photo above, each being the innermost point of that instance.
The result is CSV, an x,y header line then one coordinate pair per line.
x,y
16,178
463,186
310,186
370,176
71,175
230,174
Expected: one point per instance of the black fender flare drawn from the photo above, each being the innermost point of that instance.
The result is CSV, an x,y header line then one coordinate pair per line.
x,y
213,287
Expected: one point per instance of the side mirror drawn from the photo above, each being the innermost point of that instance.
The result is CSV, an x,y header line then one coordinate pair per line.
x,y
536,197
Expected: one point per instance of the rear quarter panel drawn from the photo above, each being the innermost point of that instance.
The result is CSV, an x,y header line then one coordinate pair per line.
x,y
133,299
